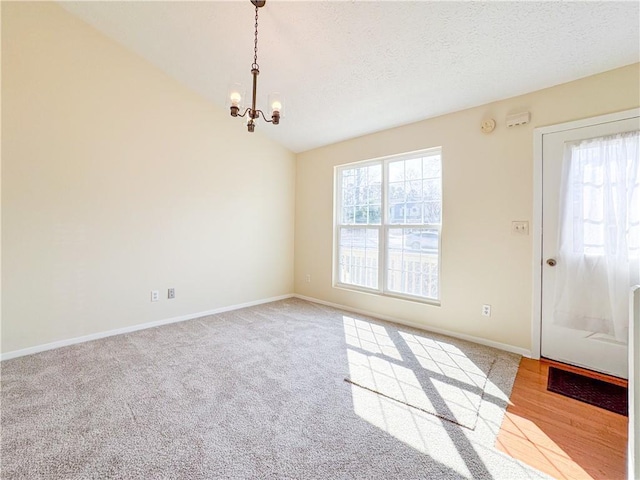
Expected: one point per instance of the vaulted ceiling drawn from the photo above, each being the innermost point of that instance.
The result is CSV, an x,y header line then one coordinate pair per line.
x,y
351,68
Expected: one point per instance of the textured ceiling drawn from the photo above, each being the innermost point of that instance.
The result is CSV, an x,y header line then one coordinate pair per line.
x,y
351,68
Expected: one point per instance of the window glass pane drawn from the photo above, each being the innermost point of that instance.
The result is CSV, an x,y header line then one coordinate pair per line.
x,y
412,263
361,214
374,174
374,194
396,192
396,172
395,239
358,256
374,213
412,169
432,189
361,187
348,215
347,186
431,167
415,192
432,212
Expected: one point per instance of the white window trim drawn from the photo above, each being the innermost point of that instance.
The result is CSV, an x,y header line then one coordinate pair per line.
x,y
382,228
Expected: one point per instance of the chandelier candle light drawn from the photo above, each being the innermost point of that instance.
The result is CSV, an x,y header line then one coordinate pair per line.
x,y
235,92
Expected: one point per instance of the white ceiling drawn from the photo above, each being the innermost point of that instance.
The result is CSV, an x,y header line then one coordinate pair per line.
x,y
351,68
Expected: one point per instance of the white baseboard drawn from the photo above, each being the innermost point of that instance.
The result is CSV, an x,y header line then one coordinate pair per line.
x,y
482,341
133,328
191,316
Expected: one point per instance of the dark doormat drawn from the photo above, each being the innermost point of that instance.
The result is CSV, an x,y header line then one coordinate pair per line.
x,y
589,390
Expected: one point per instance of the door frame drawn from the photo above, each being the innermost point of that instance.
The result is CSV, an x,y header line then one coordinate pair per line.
x,y
536,227
633,454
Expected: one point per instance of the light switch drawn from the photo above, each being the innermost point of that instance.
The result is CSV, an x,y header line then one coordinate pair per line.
x,y
520,228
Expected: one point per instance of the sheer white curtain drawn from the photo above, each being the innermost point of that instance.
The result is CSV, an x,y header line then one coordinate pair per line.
x,y
599,234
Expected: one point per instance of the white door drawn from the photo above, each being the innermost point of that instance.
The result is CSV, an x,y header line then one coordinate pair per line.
x,y
603,352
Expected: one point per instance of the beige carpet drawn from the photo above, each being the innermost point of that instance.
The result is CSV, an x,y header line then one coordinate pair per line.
x,y
260,393
421,372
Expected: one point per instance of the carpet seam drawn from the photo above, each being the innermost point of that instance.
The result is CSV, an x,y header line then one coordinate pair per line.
x,y
442,417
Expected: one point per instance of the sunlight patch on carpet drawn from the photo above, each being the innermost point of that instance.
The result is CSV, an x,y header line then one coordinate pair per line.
x,y
431,376
413,427
369,337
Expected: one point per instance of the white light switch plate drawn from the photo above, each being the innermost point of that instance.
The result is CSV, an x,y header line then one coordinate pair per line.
x,y
520,228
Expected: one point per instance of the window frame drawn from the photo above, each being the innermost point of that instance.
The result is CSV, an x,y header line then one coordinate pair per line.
x,y
383,227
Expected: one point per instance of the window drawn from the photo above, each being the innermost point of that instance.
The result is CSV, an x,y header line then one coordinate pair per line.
x,y
602,191
388,221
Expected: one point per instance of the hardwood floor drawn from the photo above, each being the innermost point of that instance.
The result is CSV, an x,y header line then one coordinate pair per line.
x,y
564,438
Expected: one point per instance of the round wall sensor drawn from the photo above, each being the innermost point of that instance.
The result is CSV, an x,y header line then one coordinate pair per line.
x,y
488,125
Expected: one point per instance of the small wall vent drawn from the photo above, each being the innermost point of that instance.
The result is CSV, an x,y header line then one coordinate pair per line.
x,y
518,119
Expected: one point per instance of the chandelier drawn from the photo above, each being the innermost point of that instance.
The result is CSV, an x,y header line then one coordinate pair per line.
x,y
236,93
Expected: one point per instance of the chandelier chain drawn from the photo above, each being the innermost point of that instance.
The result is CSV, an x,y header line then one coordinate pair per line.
x,y
255,44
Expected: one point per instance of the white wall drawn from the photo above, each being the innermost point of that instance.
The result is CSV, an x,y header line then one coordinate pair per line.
x,y
117,180
487,184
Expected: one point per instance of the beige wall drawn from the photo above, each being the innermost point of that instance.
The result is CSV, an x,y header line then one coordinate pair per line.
x,y
487,183
116,180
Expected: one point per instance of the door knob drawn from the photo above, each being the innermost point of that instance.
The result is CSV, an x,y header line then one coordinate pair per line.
x,y
551,262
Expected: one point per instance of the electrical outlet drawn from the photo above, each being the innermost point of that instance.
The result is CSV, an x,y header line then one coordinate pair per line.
x,y
171,293
308,278
486,310
155,295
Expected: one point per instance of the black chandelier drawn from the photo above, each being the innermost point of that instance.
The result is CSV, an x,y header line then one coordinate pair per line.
x,y
236,93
